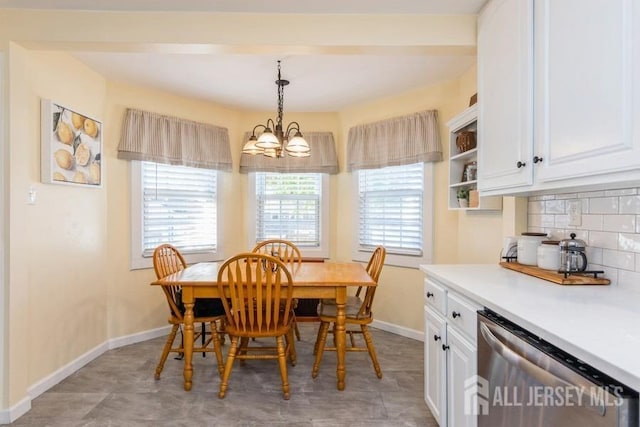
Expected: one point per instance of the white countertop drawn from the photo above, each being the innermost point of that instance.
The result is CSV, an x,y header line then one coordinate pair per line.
x,y
598,324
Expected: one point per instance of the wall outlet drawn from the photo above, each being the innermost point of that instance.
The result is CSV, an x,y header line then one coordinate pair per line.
x,y
574,210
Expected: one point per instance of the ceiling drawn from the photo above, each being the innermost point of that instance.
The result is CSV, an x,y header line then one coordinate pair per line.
x,y
320,81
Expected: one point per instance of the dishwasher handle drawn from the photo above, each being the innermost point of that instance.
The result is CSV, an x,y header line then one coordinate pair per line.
x,y
533,370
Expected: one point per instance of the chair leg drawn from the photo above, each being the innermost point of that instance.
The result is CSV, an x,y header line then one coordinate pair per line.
x,y
282,362
224,382
180,355
295,327
166,350
315,345
291,348
322,339
221,330
216,348
353,340
204,336
372,350
242,349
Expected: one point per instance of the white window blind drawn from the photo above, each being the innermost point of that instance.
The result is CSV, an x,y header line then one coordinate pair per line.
x,y
390,208
179,206
288,206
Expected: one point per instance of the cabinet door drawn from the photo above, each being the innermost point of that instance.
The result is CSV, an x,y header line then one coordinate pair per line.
x,y
461,365
587,103
505,104
435,365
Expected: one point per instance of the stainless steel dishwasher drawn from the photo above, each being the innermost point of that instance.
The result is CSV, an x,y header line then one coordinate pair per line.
x,y
524,381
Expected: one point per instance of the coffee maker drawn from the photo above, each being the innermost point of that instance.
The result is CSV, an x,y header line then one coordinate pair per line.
x,y
573,256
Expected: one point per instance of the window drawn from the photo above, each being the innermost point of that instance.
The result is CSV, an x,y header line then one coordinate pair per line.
x,y
176,205
394,210
290,206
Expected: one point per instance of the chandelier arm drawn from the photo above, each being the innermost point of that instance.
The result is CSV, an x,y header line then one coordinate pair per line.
x,y
253,133
291,127
273,124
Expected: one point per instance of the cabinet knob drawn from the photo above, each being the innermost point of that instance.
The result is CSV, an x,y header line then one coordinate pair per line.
x,y
537,159
436,337
445,347
429,294
455,314
520,164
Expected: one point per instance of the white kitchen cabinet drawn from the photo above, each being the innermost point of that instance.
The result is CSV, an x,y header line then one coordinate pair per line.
x,y
462,365
505,81
449,354
559,104
435,372
584,88
466,121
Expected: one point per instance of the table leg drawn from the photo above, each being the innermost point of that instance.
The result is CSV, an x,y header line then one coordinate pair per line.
x,y
340,335
188,300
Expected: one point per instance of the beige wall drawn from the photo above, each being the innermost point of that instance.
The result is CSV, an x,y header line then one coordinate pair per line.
x,y
68,287
57,253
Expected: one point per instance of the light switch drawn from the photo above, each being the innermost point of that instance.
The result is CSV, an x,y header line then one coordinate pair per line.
x,y
32,195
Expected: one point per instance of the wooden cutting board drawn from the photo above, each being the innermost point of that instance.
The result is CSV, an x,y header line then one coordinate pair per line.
x,y
552,276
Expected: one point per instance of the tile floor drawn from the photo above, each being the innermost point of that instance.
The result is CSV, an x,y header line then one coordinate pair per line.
x,y
118,389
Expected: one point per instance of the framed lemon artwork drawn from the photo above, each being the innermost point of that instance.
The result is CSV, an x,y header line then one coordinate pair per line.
x,y
71,146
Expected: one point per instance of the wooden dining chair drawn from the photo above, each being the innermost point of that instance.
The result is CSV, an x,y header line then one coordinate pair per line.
x,y
288,253
358,312
167,260
259,290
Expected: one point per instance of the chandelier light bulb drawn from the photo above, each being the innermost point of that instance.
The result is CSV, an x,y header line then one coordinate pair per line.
x,y
251,148
268,140
298,144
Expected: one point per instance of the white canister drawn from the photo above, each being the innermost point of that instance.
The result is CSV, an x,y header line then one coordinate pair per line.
x,y
549,255
528,247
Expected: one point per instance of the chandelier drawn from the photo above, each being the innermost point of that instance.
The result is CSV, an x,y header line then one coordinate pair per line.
x,y
275,140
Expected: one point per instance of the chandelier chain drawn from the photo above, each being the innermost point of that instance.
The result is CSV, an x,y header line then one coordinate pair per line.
x,y
281,85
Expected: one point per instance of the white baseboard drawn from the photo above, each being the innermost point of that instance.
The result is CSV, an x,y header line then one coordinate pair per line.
x,y
49,381
139,337
7,416
11,414
398,330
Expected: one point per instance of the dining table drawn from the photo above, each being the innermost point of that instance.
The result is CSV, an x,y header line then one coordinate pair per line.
x,y
310,280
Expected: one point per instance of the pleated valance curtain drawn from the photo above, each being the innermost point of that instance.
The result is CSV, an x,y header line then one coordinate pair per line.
x,y
323,158
397,141
172,140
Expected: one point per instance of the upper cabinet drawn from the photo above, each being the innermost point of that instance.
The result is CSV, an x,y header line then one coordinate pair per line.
x,y
505,82
559,104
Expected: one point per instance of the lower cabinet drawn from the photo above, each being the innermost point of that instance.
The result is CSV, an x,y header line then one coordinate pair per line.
x,y
461,366
449,355
435,365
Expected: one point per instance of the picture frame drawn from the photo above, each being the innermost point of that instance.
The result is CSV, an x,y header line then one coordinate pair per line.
x,y
71,147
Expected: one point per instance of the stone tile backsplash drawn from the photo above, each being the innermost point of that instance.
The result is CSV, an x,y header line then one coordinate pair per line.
x,y
610,226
